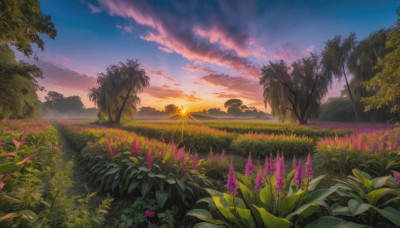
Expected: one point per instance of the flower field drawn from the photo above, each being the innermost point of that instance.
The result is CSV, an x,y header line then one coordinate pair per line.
x,y
158,175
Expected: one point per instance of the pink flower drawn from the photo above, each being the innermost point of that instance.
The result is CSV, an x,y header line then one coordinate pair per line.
x,y
232,183
294,162
149,162
16,143
135,148
396,176
266,166
116,145
23,136
249,167
299,173
2,144
8,154
309,167
279,176
4,176
149,214
258,180
383,148
195,162
223,154
28,159
2,181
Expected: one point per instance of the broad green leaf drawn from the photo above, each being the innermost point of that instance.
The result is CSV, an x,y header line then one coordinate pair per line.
x,y
170,180
161,198
304,210
207,225
111,171
290,203
133,186
390,213
379,181
245,215
146,186
367,183
288,180
206,216
336,209
134,160
318,195
270,221
314,182
357,207
375,195
181,184
266,196
333,222
248,195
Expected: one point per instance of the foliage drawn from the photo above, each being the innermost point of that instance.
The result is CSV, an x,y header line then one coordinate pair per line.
x,y
295,92
18,79
21,22
234,107
117,94
337,109
261,145
367,201
266,205
386,81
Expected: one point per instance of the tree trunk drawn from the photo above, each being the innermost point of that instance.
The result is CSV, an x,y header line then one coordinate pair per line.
x,y
356,116
109,115
118,119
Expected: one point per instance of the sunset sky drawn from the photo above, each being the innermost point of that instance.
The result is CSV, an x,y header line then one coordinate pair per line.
x,y
197,53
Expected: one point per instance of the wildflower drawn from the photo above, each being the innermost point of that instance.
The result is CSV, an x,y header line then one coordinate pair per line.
x,y
279,176
8,154
116,145
16,143
271,163
223,154
2,181
266,166
28,159
149,214
149,162
135,148
195,162
249,166
294,162
383,148
373,147
4,177
232,183
299,173
309,167
23,136
396,176
2,144
258,180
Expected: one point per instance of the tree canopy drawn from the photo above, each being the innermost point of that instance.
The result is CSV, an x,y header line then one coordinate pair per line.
x,y
386,82
295,92
171,109
22,22
234,107
117,94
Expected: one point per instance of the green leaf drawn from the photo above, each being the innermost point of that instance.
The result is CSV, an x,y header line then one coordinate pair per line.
x,y
304,210
318,195
357,207
314,182
181,184
379,181
336,209
111,171
290,203
134,160
161,198
207,225
333,222
270,221
205,216
146,186
390,213
245,215
375,195
7,166
133,186
169,180
367,183
266,196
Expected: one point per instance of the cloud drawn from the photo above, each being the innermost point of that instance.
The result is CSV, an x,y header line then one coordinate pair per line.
x,y
165,92
159,73
216,35
287,52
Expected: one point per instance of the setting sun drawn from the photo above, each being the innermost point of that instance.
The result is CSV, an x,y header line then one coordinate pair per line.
x,y
183,111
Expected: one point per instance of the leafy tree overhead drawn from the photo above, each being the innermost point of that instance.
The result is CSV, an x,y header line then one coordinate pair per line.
x,y
335,58
21,23
386,82
234,107
117,94
18,87
295,92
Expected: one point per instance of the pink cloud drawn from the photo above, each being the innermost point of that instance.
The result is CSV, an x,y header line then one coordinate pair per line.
x,y
159,73
165,92
287,52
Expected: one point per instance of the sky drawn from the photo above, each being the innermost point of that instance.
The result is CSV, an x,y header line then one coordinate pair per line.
x,y
198,53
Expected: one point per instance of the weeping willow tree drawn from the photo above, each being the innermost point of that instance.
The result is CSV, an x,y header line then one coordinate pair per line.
x,y
18,87
117,95
361,65
295,92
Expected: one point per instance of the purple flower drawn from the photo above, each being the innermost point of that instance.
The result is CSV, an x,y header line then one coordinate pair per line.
x,y
383,148
299,173
149,214
309,167
149,162
223,154
249,167
266,166
4,176
2,144
396,176
23,136
232,183
258,180
279,176
294,162
28,159
2,181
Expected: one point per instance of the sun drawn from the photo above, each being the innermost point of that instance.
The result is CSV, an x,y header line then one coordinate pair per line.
x,y
183,111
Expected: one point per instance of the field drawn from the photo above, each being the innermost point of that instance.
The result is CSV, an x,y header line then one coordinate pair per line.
x,y
225,174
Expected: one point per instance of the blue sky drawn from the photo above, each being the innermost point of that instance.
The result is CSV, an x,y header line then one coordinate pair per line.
x,y
197,53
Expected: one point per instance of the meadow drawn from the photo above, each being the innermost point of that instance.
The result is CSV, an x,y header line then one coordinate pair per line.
x,y
201,174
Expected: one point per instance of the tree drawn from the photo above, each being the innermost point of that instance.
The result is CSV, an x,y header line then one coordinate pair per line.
x,y
117,94
18,87
361,64
295,92
336,109
335,58
386,81
234,107
171,109
56,102
21,22
215,112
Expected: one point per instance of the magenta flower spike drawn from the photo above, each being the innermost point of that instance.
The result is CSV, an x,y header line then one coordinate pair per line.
x,y
383,148
271,163
266,166
309,167
249,167
232,183
2,144
4,176
223,154
23,136
294,162
373,147
148,214
195,162
28,159
149,162
116,145
279,176
299,173
2,181
258,180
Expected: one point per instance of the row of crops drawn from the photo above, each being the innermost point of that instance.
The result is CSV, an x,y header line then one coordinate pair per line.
x,y
148,175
